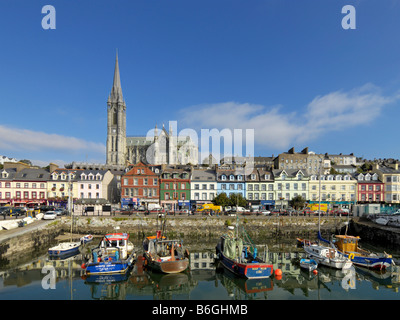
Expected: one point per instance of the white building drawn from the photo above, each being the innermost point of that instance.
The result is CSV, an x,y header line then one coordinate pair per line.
x,y
203,186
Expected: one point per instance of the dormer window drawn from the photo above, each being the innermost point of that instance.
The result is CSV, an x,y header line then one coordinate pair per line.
x,y
223,177
266,177
253,177
239,177
231,177
360,177
54,176
63,176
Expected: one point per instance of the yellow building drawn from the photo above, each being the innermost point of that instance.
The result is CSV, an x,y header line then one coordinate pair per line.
x,y
57,186
337,190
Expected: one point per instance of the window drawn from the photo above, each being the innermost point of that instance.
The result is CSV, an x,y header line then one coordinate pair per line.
x,y
231,177
240,187
204,187
223,177
231,187
135,181
145,181
167,196
250,187
155,182
196,187
183,186
211,187
97,186
196,196
204,196
253,177
26,195
223,186
125,181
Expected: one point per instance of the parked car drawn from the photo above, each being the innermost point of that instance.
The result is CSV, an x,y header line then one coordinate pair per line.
x,y
49,215
265,212
184,211
60,211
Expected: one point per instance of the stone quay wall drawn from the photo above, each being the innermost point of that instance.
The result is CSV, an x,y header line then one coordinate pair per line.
x,y
26,243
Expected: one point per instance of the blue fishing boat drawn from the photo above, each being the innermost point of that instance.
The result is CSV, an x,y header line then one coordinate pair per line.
x,y
240,256
114,255
348,247
308,264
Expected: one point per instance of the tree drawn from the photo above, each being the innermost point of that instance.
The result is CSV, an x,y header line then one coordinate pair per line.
x,y
236,199
221,200
297,202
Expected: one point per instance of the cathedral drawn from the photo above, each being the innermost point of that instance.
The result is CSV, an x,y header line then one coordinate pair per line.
x,y
165,147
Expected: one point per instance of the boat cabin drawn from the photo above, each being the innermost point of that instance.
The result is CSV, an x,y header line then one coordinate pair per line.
x,y
116,241
347,243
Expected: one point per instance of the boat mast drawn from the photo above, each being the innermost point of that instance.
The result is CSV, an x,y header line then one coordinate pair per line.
x,y
319,200
69,201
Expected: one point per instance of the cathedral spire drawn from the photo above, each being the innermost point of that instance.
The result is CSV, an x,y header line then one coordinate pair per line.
x,y
116,91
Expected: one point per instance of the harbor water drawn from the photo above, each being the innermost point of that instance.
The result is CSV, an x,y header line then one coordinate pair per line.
x,y
40,278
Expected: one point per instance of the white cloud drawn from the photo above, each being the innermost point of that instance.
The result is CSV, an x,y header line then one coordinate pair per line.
x,y
14,139
276,128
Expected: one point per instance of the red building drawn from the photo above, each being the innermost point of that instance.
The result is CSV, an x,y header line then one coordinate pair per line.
x,y
369,188
140,185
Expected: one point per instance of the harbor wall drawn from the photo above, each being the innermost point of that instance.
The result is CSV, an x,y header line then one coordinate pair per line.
x,y
371,232
190,229
198,228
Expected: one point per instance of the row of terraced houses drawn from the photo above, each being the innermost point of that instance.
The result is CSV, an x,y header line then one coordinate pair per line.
x,y
272,183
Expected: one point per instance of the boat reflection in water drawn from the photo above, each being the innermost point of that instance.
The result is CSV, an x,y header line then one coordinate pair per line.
x,y
241,288
202,280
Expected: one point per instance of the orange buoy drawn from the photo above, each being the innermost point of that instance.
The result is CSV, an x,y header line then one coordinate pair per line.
x,y
315,271
83,266
278,272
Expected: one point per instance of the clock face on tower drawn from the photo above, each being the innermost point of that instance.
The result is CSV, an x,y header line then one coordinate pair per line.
x,y
114,130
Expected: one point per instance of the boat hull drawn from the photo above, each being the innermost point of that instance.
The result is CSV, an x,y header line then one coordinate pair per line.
x,y
308,264
60,252
377,263
167,266
256,270
109,267
337,263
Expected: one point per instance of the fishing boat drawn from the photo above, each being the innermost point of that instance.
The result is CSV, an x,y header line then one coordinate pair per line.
x,y
239,255
164,255
308,264
64,249
115,254
348,247
87,238
327,256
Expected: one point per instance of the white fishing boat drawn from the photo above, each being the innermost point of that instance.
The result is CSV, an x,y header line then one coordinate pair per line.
x,y
327,256
64,248
87,238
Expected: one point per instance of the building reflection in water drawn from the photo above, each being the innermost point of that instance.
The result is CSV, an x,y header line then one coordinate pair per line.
x,y
140,282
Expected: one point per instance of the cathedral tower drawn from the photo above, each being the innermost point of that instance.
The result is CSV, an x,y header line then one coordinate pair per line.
x,y
116,122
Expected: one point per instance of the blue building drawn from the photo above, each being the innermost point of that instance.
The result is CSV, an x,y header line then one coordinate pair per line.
x,y
230,181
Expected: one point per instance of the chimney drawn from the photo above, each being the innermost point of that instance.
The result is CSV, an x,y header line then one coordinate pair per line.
x,y
52,167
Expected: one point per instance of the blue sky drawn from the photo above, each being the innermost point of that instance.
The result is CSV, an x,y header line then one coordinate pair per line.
x,y
286,69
